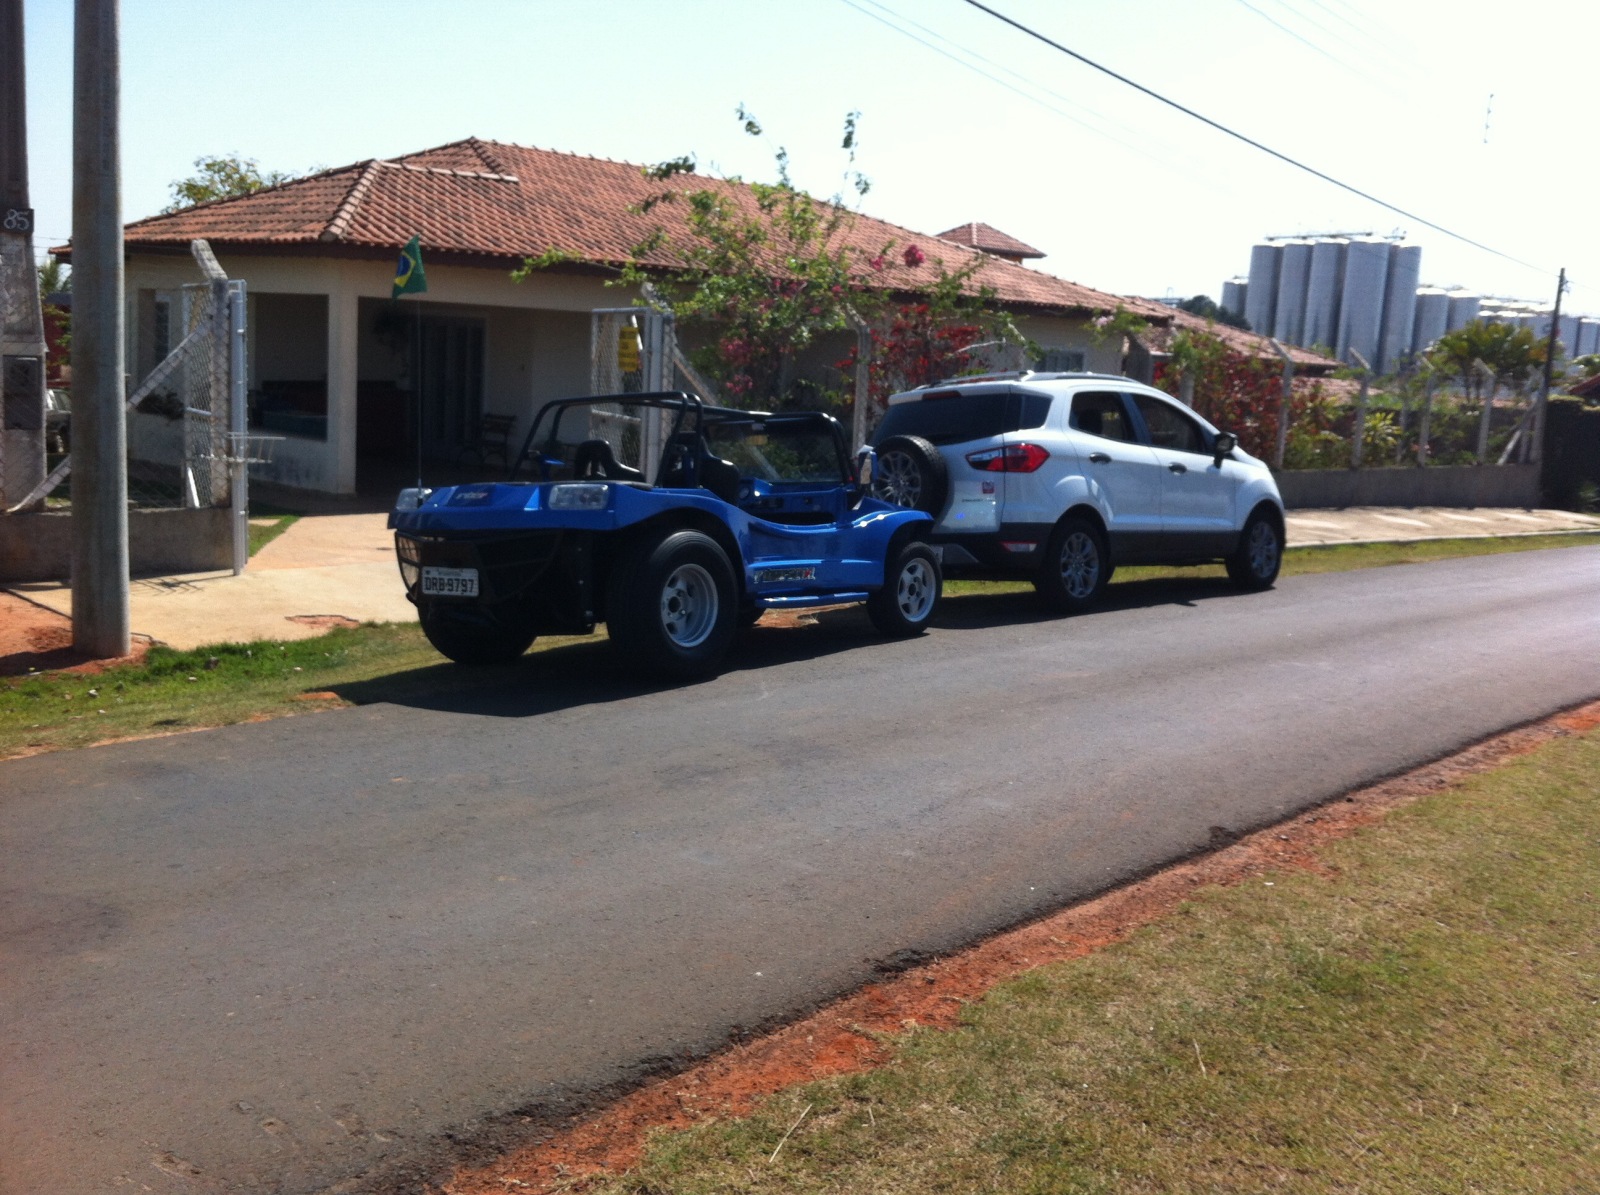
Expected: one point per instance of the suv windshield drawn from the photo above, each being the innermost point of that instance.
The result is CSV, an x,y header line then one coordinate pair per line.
x,y
954,417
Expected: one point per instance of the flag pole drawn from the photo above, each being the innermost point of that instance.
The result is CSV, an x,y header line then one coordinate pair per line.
x,y
420,377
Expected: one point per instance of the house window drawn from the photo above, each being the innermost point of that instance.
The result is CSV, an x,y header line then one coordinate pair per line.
x,y
160,331
1062,361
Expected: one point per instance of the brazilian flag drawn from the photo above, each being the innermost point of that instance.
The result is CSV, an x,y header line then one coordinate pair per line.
x,y
409,278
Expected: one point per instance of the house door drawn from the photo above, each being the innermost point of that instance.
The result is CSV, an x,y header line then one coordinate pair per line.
x,y
451,371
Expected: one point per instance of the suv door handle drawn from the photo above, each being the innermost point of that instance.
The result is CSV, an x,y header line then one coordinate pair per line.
x,y
1178,467
1099,458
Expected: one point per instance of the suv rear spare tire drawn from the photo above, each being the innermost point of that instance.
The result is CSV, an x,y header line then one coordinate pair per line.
x,y
672,606
911,473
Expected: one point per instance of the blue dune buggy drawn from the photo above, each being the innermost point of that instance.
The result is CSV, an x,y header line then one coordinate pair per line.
x,y
671,521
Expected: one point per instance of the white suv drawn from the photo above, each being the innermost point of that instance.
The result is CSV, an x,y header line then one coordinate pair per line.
x,y
1060,477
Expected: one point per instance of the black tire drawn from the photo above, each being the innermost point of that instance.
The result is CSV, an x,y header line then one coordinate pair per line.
x,y
1076,567
911,473
912,586
472,635
672,605
1255,562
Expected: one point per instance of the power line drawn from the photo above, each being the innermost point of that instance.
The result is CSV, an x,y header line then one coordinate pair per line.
x,y
1250,141
1012,87
1305,41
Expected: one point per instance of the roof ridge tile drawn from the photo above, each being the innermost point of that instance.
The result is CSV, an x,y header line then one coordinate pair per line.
x,y
345,212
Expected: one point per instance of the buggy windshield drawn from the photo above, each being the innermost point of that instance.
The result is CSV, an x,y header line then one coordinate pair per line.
x,y
802,449
617,437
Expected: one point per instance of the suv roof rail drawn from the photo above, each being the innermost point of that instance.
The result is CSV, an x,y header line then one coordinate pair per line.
x,y
1019,375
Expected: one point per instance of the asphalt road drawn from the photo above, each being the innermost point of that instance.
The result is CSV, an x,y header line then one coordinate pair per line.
x,y
277,956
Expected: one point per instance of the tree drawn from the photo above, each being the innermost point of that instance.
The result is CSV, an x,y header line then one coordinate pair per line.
x,y
767,273
53,277
222,177
1512,356
1208,308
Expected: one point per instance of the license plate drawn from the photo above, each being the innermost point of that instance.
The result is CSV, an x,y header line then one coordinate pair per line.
x,y
450,582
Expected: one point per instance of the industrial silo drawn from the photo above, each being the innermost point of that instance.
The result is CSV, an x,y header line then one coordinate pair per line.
x,y
1588,337
1294,272
1463,310
1569,334
1234,292
1322,293
1262,298
1432,318
1366,268
1399,306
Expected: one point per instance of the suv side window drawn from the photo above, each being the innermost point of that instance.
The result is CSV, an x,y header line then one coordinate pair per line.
x,y
955,417
1169,427
1101,413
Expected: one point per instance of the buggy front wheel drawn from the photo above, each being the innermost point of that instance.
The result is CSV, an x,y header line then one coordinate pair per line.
x,y
472,635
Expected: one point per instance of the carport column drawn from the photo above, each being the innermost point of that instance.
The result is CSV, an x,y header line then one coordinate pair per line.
x,y
343,326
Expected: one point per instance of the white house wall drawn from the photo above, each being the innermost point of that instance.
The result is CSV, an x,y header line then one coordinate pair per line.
x,y
536,338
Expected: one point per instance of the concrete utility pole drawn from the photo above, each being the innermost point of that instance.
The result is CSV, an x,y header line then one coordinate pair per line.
x,y
1359,439
22,348
1535,449
99,423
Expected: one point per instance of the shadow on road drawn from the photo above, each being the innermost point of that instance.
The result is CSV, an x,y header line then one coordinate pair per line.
x,y
588,672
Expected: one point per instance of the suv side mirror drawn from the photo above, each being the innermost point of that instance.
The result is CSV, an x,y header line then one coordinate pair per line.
x,y
866,461
1224,444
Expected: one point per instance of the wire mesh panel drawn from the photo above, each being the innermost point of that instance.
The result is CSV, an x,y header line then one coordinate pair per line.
x,y
23,429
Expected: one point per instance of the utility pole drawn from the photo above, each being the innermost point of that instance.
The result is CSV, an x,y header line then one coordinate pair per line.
x,y
99,423
22,348
1535,450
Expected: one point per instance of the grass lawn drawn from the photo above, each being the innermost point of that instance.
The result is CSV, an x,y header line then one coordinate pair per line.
x,y
263,533
1424,1018
271,679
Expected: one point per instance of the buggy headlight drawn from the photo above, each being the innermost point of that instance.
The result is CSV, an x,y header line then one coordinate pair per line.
x,y
412,497
580,496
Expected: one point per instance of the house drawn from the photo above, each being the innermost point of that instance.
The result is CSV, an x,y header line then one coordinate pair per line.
x,y
330,358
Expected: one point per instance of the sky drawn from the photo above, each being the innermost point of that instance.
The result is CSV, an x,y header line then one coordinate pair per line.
x,y
1478,117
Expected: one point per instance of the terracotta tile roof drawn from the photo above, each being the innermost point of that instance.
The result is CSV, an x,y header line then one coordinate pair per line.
x,y
1159,339
990,239
492,203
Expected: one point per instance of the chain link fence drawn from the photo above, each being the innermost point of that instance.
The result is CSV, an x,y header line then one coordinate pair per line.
x,y
22,415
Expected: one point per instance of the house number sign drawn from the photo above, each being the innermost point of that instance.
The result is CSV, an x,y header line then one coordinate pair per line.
x,y
18,220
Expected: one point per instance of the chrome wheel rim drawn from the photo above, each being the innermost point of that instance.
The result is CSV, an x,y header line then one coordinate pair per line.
x,y
1080,565
689,605
896,479
1263,550
915,590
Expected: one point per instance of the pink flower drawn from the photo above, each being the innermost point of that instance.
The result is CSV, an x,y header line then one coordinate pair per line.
x,y
876,262
914,257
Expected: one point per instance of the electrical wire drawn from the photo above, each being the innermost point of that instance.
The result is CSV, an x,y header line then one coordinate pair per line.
x,y
1306,41
1131,146
1250,141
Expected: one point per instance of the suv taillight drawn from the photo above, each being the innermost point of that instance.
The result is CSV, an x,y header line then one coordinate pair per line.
x,y
1013,458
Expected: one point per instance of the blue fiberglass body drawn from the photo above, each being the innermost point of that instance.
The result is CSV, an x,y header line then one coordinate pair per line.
x,y
783,564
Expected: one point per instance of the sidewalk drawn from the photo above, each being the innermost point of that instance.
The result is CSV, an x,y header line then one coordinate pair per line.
x,y
332,569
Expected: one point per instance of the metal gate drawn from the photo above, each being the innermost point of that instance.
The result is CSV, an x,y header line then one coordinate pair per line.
x,y
188,443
